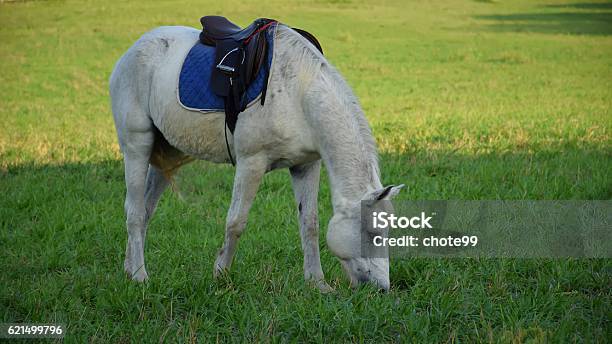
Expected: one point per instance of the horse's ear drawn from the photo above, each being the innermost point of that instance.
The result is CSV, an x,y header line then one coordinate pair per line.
x,y
385,193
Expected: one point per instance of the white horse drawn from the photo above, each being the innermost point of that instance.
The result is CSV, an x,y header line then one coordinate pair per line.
x,y
310,114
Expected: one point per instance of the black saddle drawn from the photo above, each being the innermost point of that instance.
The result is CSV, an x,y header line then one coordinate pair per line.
x,y
239,56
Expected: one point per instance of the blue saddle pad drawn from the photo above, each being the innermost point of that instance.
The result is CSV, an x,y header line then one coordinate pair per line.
x,y
194,92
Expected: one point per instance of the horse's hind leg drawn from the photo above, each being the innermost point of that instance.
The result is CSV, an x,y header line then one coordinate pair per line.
x,y
136,146
156,183
165,160
305,179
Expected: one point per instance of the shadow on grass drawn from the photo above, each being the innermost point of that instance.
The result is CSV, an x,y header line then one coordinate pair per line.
x,y
576,23
567,172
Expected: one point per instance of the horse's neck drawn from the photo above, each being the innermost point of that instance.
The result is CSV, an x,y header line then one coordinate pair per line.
x,y
351,165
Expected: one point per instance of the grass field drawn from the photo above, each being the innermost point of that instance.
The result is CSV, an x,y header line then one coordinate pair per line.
x,y
467,100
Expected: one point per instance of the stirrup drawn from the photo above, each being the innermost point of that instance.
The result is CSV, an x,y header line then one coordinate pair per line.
x,y
227,70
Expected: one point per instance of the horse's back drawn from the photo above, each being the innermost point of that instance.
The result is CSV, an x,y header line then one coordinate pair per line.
x,y
144,56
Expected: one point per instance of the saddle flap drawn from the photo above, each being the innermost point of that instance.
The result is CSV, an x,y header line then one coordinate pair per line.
x,y
255,53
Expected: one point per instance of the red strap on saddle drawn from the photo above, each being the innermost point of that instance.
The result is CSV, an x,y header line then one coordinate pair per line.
x,y
258,31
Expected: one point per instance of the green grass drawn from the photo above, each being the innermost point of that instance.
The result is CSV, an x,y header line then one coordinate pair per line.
x,y
467,100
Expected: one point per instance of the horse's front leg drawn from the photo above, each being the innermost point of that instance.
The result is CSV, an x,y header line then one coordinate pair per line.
x,y
249,172
305,179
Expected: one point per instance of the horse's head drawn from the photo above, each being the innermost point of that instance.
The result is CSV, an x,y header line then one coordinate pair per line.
x,y
344,239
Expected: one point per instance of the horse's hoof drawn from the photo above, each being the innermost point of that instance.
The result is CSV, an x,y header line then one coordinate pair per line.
x,y
219,271
140,275
222,265
323,287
